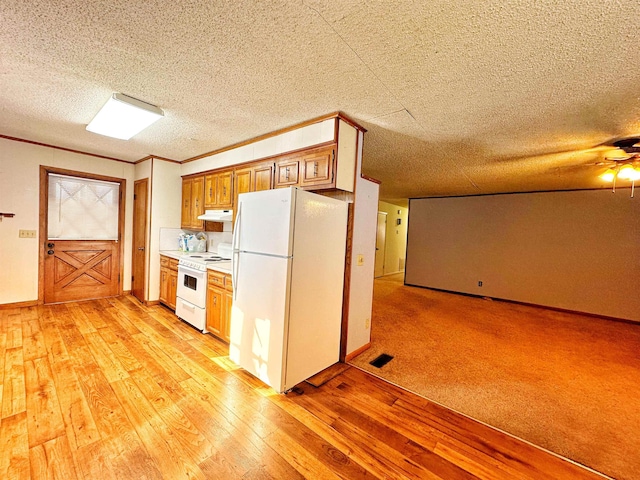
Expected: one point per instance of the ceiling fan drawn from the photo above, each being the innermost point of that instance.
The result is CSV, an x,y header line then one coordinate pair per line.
x,y
623,162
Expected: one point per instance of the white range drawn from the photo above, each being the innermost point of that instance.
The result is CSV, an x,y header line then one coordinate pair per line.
x,y
191,293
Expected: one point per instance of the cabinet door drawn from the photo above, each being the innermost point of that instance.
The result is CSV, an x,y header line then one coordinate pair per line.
x,y
164,285
210,191
263,177
225,190
287,173
215,310
317,168
197,202
243,180
173,287
228,303
185,220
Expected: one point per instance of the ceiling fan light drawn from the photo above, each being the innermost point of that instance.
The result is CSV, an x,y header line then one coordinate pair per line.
x,y
123,117
627,172
609,175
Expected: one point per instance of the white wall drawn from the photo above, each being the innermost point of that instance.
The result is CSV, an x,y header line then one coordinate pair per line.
x,y
20,194
302,137
395,247
166,199
364,243
577,250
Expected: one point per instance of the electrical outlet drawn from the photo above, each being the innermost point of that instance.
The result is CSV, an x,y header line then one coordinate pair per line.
x,y
360,260
367,323
27,234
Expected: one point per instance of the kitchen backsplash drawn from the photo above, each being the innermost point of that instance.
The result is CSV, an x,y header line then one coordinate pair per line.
x,y
169,237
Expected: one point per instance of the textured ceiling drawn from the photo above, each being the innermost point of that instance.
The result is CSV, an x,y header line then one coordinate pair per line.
x,y
459,97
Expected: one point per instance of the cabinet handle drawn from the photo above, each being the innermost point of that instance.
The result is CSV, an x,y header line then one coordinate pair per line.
x,y
224,191
287,174
315,169
210,192
215,300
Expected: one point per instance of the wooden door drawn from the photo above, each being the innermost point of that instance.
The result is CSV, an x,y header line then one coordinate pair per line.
x,y
81,227
381,236
81,270
138,278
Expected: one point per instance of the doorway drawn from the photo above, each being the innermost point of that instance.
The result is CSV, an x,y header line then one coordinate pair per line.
x,y
139,254
81,225
381,240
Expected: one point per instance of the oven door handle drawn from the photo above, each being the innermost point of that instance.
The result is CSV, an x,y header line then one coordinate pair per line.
x,y
191,270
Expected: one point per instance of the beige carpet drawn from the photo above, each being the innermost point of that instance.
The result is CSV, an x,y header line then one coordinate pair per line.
x,y
567,382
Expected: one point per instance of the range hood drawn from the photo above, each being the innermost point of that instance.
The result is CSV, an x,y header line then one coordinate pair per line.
x,y
217,216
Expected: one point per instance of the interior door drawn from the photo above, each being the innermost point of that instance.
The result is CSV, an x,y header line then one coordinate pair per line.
x,y
381,236
139,254
82,218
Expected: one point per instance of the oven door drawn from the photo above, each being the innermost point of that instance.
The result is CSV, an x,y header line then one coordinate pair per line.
x,y
192,286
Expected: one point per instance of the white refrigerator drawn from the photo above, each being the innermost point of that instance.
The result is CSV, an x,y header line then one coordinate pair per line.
x,y
288,276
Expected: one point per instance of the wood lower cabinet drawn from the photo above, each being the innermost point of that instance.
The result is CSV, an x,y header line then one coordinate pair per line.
x,y
219,302
168,281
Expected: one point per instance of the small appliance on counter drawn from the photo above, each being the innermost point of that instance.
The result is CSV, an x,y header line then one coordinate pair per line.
x,y
190,242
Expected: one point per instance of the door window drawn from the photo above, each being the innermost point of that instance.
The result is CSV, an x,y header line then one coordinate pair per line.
x,y
82,209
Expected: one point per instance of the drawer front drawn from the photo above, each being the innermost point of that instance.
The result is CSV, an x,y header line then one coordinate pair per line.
x,y
227,283
216,278
173,264
164,261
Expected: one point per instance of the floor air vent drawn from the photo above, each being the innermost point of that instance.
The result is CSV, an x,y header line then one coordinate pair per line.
x,y
381,360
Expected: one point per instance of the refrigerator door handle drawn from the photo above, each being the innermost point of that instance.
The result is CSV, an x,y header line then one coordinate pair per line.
x,y
234,245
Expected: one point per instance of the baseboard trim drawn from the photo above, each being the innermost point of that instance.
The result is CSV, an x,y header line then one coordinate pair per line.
x,y
151,303
357,352
30,303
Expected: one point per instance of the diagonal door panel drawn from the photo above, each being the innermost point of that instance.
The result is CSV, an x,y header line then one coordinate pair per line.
x,y
81,270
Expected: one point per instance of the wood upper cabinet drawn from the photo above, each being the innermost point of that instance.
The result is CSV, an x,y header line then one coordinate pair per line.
x,y
287,173
317,168
192,202
218,190
244,177
263,177
313,170
225,189
210,191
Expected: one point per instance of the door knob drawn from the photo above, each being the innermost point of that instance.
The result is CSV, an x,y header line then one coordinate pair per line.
x,y
141,248
50,245
50,252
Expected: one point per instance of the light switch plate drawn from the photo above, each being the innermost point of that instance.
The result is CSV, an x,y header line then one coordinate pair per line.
x,y
360,260
27,234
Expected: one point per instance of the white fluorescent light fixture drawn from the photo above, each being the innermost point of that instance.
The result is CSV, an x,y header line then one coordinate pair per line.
x,y
123,117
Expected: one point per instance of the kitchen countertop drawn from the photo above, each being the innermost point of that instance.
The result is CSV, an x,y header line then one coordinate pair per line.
x,y
222,267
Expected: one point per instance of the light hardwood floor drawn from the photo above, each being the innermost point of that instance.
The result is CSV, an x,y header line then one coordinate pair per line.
x,y
111,389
